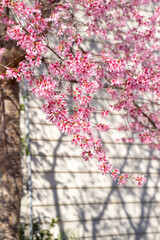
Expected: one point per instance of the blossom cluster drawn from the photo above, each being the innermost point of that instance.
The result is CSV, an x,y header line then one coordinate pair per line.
x,y
127,63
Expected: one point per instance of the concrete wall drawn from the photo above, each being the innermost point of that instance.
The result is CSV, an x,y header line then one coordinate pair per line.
x,y
86,202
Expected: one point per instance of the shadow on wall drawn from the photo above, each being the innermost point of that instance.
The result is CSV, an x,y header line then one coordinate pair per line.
x,y
86,202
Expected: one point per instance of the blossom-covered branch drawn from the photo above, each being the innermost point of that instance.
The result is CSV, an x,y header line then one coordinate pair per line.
x,y
127,63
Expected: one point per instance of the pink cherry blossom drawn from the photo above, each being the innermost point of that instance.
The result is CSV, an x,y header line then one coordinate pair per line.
x,y
141,180
60,69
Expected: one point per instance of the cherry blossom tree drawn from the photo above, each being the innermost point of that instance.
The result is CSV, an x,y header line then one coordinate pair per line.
x,y
126,68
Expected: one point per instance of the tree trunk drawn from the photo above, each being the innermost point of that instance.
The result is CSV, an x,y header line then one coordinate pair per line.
x,y
10,160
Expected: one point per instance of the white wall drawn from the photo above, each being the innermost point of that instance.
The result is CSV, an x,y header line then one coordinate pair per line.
x,y
86,202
